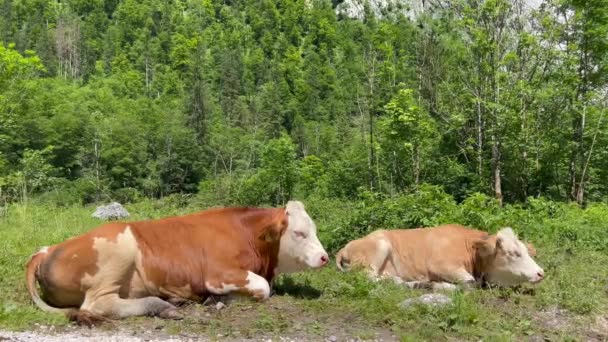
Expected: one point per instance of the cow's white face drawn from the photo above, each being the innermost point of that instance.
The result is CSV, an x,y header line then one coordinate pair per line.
x,y
507,260
299,247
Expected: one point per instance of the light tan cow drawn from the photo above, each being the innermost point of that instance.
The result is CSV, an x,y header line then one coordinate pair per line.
x,y
440,257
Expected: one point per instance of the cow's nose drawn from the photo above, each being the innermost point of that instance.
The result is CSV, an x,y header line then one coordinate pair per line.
x,y
324,259
541,274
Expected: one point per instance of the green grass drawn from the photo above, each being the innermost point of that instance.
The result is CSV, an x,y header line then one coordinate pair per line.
x,y
318,304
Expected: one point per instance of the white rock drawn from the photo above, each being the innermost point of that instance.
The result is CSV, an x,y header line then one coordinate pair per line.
x,y
429,299
219,306
111,211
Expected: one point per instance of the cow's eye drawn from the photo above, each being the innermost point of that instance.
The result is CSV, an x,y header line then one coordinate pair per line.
x,y
515,254
300,234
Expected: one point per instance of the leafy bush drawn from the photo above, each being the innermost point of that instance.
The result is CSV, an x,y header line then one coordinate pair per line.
x,y
312,176
541,221
80,191
428,206
127,195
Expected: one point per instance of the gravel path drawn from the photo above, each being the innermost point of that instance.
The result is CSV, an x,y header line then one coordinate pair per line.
x,y
121,336
91,335
80,336
71,333
46,334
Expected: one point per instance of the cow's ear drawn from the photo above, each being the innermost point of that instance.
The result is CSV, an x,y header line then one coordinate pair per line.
x,y
274,231
486,247
531,249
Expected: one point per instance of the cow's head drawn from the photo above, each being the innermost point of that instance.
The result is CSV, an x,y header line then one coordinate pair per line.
x,y
506,261
299,247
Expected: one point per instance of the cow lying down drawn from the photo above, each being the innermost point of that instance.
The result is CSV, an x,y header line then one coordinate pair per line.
x,y
144,268
438,258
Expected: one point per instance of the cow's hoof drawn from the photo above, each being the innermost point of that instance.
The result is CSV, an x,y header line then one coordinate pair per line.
x,y
86,318
171,314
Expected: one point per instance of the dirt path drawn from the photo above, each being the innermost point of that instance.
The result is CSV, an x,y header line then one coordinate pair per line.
x,y
83,335
48,334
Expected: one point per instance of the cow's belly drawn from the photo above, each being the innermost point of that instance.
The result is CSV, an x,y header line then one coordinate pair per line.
x,y
140,286
137,288
407,268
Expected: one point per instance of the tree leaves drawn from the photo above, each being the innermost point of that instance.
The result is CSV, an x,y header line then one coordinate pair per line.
x,y
272,99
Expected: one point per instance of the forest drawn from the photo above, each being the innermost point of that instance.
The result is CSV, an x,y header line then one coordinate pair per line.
x,y
256,102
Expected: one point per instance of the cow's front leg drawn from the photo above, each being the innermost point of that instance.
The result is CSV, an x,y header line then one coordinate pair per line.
x,y
239,281
462,277
430,285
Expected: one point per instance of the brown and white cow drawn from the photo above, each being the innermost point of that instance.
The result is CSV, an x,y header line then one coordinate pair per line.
x,y
439,257
144,268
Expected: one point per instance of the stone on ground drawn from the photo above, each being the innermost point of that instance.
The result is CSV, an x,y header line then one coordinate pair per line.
x,y
112,211
429,299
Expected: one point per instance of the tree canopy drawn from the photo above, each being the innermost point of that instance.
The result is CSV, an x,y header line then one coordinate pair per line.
x,y
261,101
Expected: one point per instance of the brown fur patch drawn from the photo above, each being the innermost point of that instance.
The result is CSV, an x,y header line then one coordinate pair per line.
x,y
199,248
485,251
531,249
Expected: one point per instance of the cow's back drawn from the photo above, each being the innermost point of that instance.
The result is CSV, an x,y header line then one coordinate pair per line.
x,y
430,253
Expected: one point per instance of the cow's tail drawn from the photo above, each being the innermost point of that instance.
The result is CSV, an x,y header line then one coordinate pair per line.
x,y
342,260
31,278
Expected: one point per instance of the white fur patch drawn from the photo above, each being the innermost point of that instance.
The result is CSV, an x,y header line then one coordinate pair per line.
x,y
224,289
443,286
114,258
294,205
513,265
507,233
258,285
300,247
43,250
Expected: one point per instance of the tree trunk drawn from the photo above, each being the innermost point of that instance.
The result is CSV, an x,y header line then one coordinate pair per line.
x,y
496,164
371,80
479,138
580,191
524,153
97,173
416,165
578,127
372,156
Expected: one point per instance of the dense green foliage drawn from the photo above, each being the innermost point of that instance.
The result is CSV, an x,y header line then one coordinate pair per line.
x,y
258,101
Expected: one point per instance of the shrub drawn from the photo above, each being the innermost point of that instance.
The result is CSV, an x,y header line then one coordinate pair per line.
x,y
429,206
66,193
127,195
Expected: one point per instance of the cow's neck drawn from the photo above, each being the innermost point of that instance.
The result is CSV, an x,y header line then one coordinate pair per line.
x,y
268,253
481,263
264,242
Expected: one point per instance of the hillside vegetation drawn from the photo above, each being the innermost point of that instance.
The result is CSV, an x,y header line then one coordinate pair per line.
x,y
258,101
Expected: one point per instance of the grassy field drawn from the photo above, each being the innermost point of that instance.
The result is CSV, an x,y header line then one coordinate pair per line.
x,y
570,305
